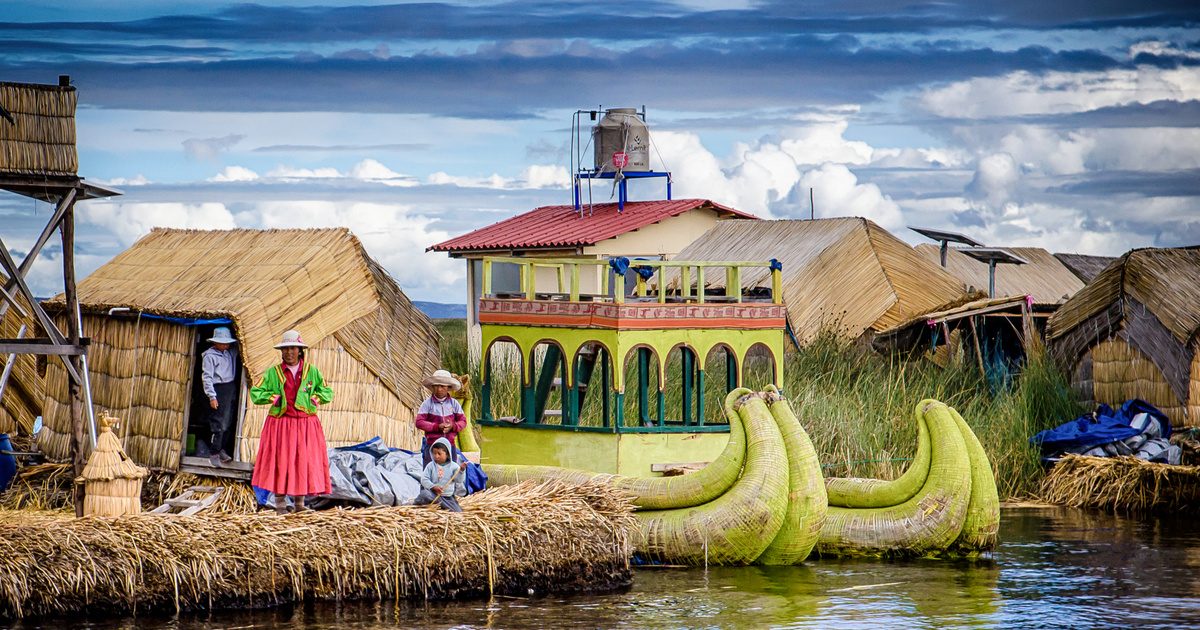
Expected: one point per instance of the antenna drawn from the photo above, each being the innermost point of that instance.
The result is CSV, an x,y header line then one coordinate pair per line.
x,y
812,207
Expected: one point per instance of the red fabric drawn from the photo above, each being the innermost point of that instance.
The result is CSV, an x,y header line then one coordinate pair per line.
x,y
292,455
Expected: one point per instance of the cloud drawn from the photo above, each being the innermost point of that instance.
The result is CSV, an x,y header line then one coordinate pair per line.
x,y
234,174
533,176
136,180
995,179
129,221
210,148
836,192
340,148
289,172
1025,93
373,170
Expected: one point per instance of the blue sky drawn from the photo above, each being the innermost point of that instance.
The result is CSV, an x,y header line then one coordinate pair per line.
x,y
1070,125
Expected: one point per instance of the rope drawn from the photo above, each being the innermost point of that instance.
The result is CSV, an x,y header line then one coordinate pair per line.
x,y
868,461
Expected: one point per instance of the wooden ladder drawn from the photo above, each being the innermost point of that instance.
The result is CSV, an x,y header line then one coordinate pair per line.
x,y
187,503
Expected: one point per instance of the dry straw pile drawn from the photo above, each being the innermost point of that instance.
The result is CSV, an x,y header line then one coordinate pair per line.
x,y
548,537
1122,484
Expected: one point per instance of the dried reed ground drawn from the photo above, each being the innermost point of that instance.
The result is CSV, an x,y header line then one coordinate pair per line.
x,y
544,538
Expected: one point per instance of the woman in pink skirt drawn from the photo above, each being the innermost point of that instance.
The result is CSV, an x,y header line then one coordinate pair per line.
x,y
292,458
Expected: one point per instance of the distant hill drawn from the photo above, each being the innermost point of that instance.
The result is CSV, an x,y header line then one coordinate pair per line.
x,y
437,310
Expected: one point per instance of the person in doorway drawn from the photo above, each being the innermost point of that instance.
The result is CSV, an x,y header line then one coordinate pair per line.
x,y
217,372
440,416
292,458
442,480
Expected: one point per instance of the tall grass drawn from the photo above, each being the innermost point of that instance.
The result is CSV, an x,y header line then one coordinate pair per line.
x,y
857,404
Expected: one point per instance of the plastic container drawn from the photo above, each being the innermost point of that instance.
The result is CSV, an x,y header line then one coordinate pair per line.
x,y
8,462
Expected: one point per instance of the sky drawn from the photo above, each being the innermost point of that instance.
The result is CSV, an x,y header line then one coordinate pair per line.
x,y
1071,125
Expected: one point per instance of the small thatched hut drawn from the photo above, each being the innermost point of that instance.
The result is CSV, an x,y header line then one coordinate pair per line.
x,y
1044,277
149,310
1132,333
21,402
846,275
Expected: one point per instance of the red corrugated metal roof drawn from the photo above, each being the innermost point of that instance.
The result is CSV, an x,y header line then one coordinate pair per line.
x,y
561,226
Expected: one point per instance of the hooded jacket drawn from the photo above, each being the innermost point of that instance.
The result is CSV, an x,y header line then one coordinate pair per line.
x,y
439,475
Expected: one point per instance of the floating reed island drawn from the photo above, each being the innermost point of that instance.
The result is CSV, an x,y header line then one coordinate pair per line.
x,y
541,538
1123,484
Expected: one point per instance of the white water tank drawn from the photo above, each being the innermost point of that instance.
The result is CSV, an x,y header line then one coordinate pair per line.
x,y
621,130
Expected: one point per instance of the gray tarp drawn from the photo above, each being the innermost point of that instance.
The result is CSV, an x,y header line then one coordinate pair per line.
x,y
367,478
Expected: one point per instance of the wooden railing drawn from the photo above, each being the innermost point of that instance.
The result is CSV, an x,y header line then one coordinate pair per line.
x,y
568,275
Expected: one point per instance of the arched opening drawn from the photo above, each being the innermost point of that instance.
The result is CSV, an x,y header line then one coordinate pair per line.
x,y
593,376
720,378
500,393
683,385
759,367
641,404
548,378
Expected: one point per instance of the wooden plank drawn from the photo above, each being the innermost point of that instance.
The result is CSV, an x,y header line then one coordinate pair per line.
x,y
41,346
665,467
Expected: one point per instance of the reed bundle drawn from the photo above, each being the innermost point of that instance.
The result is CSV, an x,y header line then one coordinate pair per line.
x,y
544,538
1122,484
42,140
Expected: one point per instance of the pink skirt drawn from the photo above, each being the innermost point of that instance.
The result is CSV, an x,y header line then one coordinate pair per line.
x,y
292,457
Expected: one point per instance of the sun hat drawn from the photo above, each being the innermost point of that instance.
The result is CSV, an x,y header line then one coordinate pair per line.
x,y
222,335
291,339
442,377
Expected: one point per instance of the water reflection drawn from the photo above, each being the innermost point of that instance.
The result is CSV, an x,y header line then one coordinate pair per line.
x,y
1054,568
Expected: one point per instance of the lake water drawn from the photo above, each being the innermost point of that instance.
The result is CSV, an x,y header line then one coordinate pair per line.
x,y
1054,568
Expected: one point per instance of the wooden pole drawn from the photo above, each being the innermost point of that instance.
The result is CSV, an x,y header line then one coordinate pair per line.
x,y
74,386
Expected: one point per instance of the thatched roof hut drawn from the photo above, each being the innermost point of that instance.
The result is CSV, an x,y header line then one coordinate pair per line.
x,y
371,343
846,275
41,138
1045,277
1132,332
21,403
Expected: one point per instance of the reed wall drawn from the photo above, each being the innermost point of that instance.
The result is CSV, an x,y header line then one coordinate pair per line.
x,y
140,370
22,400
42,142
1121,372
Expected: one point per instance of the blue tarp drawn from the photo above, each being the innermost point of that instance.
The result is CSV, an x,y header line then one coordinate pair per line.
x,y
188,321
1103,426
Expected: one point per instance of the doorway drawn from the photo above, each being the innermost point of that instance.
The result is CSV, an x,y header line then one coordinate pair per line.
x,y
199,436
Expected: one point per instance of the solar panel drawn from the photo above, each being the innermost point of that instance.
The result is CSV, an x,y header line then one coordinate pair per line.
x,y
943,235
997,254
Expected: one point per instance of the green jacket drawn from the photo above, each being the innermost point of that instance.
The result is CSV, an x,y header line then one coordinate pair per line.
x,y
312,384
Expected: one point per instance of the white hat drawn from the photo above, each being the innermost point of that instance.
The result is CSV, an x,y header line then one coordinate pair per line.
x,y
222,335
442,377
291,339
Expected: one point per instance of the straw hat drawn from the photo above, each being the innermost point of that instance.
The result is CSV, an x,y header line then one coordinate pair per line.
x,y
222,335
442,377
291,339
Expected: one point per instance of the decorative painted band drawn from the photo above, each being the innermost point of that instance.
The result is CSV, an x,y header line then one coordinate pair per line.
x,y
632,316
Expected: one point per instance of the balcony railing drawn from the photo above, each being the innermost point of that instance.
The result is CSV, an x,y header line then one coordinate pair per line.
x,y
686,284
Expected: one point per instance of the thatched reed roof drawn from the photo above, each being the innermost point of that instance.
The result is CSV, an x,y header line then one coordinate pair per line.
x,y
1046,278
847,275
267,281
41,141
1084,266
22,401
1165,281
548,538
